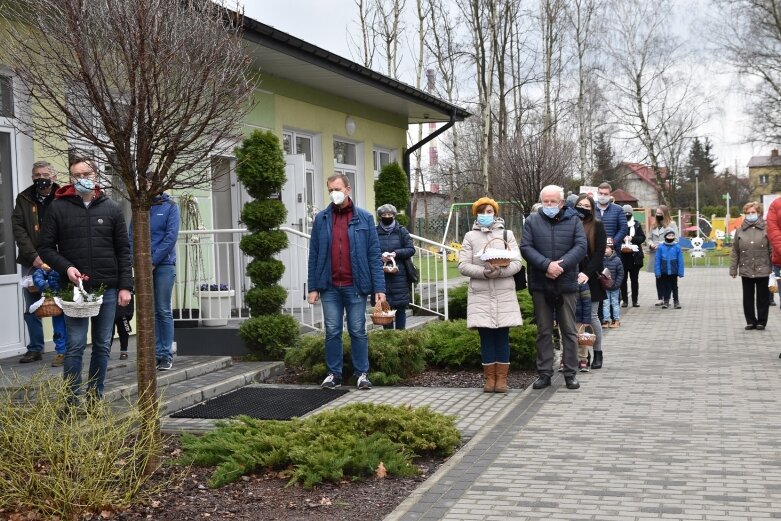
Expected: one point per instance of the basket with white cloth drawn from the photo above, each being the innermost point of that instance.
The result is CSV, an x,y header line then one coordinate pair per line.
x,y
84,305
498,257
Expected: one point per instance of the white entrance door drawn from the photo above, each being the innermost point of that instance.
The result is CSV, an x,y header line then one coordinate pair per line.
x,y
297,197
12,339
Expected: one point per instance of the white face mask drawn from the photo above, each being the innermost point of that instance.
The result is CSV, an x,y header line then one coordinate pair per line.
x,y
337,197
603,199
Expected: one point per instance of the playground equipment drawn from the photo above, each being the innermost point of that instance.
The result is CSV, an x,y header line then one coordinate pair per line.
x,y
460,221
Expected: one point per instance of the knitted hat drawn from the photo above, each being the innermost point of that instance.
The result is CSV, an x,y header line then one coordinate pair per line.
x,y
571,200
627,208
484,200
669,232
387,208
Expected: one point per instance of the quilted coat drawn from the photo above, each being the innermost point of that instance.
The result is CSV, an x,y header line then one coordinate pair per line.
x,y
751,251
397,286
491,303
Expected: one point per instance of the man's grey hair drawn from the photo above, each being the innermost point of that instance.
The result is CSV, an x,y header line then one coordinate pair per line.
x,y
551,188
605,185
343,177
42,164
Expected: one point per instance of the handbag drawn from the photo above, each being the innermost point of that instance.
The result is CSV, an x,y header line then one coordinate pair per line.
x,y
520,276
605,279
412,272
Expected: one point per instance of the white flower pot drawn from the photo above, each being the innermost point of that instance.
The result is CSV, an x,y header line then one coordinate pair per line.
x,y
216,307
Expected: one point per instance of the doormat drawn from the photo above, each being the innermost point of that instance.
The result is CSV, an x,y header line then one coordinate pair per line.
x,y
262,403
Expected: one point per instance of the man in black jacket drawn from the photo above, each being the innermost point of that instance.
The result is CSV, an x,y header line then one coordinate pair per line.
x,y
29,212
85,239
553,245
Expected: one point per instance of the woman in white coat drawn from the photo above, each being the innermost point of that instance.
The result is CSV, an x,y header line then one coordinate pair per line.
x,y
492,305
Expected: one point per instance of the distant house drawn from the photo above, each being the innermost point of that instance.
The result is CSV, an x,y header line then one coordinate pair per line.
x,y
638,181
764,174
622,197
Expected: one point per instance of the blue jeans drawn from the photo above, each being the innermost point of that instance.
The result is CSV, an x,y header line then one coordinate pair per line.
x,y
60,334
400,322
337,301
494,344
164,276
102,332
610,305
34,324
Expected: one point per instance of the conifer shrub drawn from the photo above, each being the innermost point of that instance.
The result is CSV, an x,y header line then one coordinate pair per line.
x,y
349,442
392,187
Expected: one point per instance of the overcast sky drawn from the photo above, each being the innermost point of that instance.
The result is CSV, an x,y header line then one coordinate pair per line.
x,y
326,23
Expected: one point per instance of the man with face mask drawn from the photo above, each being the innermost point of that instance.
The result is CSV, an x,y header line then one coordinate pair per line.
x,y
29,212
611,215
553,244
345,266
85,239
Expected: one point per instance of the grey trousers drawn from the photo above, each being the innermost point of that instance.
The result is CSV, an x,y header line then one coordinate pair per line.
x,y
565,316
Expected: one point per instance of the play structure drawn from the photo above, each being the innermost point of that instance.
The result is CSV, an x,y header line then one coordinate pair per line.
x,y
460,221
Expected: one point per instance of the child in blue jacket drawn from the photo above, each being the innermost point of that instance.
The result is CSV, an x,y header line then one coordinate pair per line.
x,y
668,266
610,305
50,280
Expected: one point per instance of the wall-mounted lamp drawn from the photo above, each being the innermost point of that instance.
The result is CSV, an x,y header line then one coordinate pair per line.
x,y
349,125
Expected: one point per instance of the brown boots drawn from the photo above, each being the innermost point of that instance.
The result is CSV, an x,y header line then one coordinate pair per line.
x,y
495,378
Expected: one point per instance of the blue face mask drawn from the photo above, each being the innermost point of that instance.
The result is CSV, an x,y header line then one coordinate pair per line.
x,y
752,217
550,211
485,219
84,186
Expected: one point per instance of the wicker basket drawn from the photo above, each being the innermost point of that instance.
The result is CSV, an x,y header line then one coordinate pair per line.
x,y
48,309
81,309
584,338
499,262
383,315
390,267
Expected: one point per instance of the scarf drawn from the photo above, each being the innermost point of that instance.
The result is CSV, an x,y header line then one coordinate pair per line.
x,y
631,224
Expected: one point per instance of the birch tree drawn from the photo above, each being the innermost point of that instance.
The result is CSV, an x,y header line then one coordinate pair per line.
x,y
366,48
390,28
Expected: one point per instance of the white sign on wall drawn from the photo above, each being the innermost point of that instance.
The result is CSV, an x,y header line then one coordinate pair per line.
x,y
766,200
590,190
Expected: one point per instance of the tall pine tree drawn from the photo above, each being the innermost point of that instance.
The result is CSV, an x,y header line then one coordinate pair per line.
x,y
604,159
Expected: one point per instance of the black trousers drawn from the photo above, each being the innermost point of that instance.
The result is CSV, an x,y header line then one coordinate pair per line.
x,y
668,284
755,288
633,273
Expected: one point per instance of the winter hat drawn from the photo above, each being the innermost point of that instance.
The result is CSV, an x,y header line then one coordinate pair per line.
x,y
669,232
387,208
484,200
571,200
609,242
627,208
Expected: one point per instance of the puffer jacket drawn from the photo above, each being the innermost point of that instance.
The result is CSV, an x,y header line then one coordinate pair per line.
x,y
397,240
773,223
614,222
27,219
365,254
668,260
46,280
92,238
490,303
751,251
163,230
616,267
545,240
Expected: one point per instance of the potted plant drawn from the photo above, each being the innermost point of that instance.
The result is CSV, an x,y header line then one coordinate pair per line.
x,y
215,304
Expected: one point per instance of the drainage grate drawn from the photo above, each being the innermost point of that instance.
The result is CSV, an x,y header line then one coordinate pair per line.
x,y
263,403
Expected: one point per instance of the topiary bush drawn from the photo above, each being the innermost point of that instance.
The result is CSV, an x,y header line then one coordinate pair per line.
x,y
260,167
523,346
392,187
394,355
350,442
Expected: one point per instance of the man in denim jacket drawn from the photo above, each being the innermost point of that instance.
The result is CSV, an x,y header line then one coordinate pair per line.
x,y
345,266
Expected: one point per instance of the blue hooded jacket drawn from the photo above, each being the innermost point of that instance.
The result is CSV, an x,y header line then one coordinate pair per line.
x,y
163,229
365,254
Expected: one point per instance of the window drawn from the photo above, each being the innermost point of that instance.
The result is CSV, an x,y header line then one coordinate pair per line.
x,y
345,153
287,139
6,97
764,179
303,144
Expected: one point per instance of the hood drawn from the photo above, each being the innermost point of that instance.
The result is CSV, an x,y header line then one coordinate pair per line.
x,y
497,225
70,190
161,199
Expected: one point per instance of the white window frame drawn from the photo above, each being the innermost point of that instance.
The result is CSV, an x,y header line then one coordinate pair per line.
x,y
353,172
376,151
764,179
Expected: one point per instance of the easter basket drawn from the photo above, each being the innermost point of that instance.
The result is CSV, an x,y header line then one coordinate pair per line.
x,y
498,257
585,338
383,315
46,307
390,267
84,305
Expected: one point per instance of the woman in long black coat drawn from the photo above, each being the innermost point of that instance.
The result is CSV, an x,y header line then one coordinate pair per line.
x,y
396,244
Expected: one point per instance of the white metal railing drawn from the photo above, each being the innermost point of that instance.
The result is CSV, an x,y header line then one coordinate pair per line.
x,y
212,260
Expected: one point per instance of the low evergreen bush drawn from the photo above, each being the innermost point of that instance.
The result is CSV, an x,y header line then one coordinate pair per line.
x,y
457,301
350,442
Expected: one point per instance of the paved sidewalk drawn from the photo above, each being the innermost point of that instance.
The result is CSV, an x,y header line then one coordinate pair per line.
x,y
681,423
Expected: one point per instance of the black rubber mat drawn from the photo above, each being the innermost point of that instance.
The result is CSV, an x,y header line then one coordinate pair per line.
x,y
263,403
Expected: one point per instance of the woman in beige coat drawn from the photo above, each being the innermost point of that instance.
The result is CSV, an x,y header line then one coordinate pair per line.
x,y
750,258
492,305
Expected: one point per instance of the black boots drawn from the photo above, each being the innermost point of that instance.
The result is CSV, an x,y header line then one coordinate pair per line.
x,y
542,381
597,363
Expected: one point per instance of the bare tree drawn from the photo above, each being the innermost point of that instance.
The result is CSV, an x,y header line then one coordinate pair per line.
x,y
389,31
530,161
367,19
551,18
153,86
751,35
421,13
654,104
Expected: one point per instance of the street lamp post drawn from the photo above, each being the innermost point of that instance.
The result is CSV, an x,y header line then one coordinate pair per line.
x,y
697,198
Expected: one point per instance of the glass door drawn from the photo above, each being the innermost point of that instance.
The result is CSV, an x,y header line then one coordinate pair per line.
x,y
11,323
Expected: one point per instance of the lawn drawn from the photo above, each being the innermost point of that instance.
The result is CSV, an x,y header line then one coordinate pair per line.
x,y
430,268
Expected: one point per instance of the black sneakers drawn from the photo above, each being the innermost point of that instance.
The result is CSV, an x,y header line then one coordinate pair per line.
x,y
363,382
572,382
542,381
332,381
30,356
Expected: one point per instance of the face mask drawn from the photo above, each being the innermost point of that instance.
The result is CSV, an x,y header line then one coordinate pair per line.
x,y
550,211
583,212
84,186
629,217
485,219
669,240
752,217
42,184
659,218
387,221
337,197
603,199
